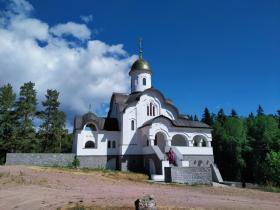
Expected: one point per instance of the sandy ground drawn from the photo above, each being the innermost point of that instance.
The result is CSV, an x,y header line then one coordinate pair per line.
x,y
31,188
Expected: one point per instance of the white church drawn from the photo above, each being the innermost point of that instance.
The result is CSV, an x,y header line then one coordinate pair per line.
x,y
139,130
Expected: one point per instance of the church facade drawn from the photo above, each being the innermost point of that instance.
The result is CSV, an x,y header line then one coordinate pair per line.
x,y
140,129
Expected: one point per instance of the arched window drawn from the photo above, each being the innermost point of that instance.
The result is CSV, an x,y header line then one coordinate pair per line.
x,y
114,144
156,142
199,141
144,81
204,144
109,144
89,144
148,111
153,111
90,127
179,141
132,125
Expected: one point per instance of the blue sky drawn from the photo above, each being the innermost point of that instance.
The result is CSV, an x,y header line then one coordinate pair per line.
x,y
215,54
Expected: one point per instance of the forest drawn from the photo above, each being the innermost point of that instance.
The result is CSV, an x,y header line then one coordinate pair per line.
x,y
246,148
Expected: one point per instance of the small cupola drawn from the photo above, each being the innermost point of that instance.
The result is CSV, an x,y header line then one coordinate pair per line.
x,y
140,73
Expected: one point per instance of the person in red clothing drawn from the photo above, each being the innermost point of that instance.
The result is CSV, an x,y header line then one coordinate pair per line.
x,y
171,157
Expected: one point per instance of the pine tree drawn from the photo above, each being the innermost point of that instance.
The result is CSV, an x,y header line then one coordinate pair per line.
x,y
234,113
260,111
52,131
195,118
207,118
26,112
7,121
221,117
278,117
251,115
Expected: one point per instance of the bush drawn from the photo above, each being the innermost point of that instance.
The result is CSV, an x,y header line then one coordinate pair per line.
x,y
272,168
76,162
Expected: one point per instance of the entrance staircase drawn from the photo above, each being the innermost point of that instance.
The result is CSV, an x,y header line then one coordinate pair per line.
x,y
180,162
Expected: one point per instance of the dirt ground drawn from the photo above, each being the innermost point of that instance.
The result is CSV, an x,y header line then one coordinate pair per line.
x,y
23,187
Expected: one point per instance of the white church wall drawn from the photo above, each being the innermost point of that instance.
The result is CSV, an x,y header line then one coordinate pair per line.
x,y
101,139
195,150
137,81
132,141
130,137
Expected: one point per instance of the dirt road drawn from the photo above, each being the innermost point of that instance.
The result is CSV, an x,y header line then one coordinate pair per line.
x,y
35,188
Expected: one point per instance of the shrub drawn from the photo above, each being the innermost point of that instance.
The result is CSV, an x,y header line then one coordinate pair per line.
x,y
76,162
272,168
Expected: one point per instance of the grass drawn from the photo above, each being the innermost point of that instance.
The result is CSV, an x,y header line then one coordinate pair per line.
x,y
131,176
7,177
269,188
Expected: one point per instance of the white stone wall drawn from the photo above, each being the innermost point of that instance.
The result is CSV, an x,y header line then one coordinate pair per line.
x,y
100,138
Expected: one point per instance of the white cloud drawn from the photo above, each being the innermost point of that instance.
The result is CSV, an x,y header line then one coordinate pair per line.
x,y
86,18
29,28
80,31
85,74
20,7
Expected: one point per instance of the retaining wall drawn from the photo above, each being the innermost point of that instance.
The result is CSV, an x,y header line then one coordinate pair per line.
x,y
190,175
40,159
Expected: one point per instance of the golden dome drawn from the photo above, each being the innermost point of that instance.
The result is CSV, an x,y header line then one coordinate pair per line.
x,y
141,64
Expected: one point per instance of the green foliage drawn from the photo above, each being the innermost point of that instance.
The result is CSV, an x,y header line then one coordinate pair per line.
x,y
207,117
7,121
52,131
17,131
230,145
271,168
26,112
241,146
76,162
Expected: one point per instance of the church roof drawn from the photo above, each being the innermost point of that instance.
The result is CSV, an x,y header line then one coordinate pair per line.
x,y
109,124
140,65
133,97
180,122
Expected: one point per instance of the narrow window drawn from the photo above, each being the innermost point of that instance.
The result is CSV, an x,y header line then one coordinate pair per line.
x,y
132,125
155,142
147,142
109,144
114,144
148,113
153,111
144,81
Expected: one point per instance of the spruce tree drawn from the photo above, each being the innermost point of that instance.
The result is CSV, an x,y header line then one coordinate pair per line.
x,y
221,117
234,113
260,111
7,121
207,118
52,131
195,118
26,112
278,117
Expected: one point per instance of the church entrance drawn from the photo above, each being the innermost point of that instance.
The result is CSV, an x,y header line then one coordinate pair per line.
x,y
160,141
